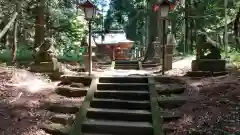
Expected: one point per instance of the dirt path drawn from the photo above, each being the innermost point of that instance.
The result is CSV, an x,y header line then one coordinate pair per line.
x,y
21,95
181,67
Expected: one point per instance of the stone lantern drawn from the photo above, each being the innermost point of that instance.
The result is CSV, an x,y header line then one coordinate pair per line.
x,y
170,49
86,54
163,9
89,10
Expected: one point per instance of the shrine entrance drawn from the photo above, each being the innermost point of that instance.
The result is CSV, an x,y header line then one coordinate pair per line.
x,y
114,44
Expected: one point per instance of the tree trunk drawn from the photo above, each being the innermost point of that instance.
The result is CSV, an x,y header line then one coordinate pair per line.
x,y
6,28
14,47
237,29
4,38
152,32
15,35
186,26
191,36
39,24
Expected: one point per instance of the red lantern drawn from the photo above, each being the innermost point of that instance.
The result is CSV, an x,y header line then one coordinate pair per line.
x,y
155,8
165,6
89,9
172,6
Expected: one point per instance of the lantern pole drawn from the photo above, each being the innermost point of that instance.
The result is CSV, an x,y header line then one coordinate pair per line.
x,y
88,7
164,16
163,47
89,47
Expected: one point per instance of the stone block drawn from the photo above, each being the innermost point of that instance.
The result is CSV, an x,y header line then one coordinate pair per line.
x,y
52,69
212,65
42,67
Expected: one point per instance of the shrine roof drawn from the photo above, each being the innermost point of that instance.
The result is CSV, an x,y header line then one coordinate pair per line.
x,y
110,38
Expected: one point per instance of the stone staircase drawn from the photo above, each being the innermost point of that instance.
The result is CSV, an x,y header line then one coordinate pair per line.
x,y
64,104
120,106
113,106
126,65
150,64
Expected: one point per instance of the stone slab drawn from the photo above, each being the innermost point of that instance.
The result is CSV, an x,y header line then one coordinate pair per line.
x,y
118,127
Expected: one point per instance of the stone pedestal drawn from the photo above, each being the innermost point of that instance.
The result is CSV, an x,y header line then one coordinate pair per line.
x,y
212,65
169,50
207,68
168,56
86,61
52,68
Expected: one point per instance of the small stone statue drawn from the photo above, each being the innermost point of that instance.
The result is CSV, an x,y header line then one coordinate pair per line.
x,y
46,60
46,52
204,43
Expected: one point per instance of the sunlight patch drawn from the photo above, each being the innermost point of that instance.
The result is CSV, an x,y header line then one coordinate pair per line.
x,y
30,82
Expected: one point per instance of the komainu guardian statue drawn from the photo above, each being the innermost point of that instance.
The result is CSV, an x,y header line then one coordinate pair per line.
x,y
208,57
207,48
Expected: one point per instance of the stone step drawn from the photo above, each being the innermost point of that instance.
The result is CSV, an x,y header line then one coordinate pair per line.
x,y
77,85
71,91
104,63
150,65
150,62
62,118
126,67
167,80
95,134
68,79
120,104
129,115
55,128
171,102
79,69
125,62
165,89
119,115
123,80
170,116
63,107
117,127
168,130
124,95
130,65
123,86
205,73
56,98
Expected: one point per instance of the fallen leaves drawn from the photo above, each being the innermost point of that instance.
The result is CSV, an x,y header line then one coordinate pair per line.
x,y
214,108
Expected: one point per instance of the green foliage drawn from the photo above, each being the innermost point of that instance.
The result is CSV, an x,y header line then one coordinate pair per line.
x,y
129,14
64,24
23,54
71,54
234,57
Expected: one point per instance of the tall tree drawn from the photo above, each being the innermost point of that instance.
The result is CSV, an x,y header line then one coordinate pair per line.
x,y
40,23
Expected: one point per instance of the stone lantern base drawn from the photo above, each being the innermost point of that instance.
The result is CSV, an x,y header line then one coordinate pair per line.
x,y
169,49
86,61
